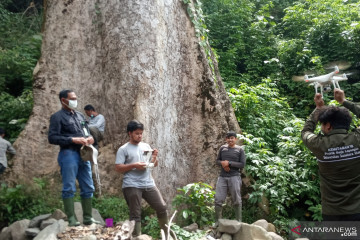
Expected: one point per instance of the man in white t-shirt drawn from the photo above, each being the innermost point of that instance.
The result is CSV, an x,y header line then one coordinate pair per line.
x,y
135,159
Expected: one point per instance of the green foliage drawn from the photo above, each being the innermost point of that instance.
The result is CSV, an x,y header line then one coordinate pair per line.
x,y
261,111
150,226
284,171
182,234
243,38
314,33
27,200
112,207
20,43
196,15
14,113
195,204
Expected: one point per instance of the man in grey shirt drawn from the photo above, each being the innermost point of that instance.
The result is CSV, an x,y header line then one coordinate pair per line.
x,y
135,159
231,158
5,146
96,123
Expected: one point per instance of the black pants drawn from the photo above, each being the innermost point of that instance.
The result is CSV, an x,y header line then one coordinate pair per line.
x,y
350,217
2,168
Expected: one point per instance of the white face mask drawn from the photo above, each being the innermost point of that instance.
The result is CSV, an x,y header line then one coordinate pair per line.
x,y
72,104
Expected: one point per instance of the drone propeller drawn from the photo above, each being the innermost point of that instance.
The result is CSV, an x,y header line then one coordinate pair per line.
x,y
342,65
298,78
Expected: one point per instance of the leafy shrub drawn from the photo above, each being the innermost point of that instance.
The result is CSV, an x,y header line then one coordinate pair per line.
x,y
150,226
15,112
195,204
20,43
182,234
112,207
26,201
283,170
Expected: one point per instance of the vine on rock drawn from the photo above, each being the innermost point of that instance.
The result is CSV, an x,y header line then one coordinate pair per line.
x,y
196,15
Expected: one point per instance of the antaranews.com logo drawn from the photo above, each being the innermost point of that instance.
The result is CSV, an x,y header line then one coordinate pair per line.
x,y
325,230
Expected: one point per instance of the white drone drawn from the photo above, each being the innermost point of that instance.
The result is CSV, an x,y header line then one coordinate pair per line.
x,y
325,81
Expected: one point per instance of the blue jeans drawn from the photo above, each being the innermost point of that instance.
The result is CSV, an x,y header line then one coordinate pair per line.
x,y
72,168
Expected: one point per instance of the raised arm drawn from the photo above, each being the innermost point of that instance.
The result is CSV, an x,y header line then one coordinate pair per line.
x,y
309,127
339,96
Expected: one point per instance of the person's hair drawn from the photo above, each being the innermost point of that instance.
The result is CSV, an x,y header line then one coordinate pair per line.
x,y
89,107
134,125
338,117
231,134
64,93
2,131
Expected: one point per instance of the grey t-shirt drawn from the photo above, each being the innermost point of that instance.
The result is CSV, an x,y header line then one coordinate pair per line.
x,y
5,146
130,153
98,122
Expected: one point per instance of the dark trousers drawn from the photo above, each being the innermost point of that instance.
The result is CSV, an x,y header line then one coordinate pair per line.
x,y
2,168
350,217
152,196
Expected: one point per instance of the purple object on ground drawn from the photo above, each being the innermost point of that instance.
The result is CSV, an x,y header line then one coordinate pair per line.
x,y
109,222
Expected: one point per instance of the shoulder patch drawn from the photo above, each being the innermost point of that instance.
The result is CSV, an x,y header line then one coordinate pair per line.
x,y
310,136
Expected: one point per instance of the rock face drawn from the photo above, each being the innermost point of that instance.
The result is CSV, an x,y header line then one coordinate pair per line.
x,y
130,60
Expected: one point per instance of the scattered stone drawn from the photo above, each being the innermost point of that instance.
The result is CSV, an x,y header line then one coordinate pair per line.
x,y
36,221
226,236
274,236
249,232
192,227
18,228
262,223
90,237
218,235
5,234
229,226
32,232
49,233
58,214
143,237
47,222
271,228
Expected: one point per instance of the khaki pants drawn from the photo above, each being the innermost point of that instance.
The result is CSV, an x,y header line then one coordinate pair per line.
x,y
225,184
152,196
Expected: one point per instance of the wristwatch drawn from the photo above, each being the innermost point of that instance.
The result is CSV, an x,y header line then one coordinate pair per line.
x,y
229,163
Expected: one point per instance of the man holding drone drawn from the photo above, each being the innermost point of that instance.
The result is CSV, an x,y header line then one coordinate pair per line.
x,y
338,154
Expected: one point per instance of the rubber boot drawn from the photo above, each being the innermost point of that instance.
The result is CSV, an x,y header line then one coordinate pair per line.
x,y
69,211
137,229
86,204
238,212
218,215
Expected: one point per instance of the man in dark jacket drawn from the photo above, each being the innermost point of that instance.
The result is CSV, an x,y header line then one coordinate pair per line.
x,y
338,154
68,130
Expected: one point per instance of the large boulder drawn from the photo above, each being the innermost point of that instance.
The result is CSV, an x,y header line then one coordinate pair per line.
x,y
229,226
251,232
16,231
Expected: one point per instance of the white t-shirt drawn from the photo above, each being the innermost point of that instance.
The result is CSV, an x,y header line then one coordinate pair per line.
x,y
130,153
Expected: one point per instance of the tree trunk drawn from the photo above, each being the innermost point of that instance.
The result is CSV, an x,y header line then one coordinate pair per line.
x,y
131,60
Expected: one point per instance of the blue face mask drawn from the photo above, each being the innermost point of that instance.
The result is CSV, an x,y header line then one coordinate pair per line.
x,y
92,116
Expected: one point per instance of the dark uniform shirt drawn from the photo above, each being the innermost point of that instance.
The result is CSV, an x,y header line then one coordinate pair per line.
x,y
338,155
236,158
64,125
